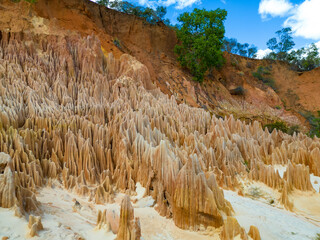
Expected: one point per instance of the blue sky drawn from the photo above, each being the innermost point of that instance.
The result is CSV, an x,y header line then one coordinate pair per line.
x,y
255,21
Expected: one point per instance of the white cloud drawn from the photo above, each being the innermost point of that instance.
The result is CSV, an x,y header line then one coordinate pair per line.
x,y
186,3
179,4
318,44
148,3
262,53
305,20
274,8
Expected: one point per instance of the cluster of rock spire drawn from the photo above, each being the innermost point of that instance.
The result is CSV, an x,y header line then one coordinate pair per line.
x,y
98,125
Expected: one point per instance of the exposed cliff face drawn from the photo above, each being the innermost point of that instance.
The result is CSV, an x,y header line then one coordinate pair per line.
x,y
153,46
298,90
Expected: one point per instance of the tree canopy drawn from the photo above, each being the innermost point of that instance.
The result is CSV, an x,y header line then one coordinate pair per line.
x,y
303,59
150,15
281,44
201,36
232,45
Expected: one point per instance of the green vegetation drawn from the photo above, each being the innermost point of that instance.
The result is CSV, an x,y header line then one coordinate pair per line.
x,y
293,129
281,126
116,42
264,70
148,14
255,192
234,62
263,74
315,126
303,59
232,45
281,44
317,237
201,37
314,123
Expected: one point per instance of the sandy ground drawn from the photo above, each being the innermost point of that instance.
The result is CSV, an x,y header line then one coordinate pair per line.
x,y
307,204
60,221
273,223
11,226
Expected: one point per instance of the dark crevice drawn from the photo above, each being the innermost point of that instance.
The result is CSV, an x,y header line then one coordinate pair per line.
x,y
100,13
165,198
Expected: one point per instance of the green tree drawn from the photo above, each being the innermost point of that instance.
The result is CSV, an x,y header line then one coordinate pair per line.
x,y
282,44
311,58
305,59
243,49
252,51
161,12
103,2
117,5
232,45
201,38
150,15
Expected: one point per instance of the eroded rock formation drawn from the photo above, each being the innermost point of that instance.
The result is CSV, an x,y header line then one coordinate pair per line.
x,y
198,200
232,229
285,197
298,176
7,186
34,225
12,193
102,221
254,233
71,112
129,227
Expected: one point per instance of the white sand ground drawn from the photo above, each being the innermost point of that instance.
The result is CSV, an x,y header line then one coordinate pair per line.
x,y
60,221
273,223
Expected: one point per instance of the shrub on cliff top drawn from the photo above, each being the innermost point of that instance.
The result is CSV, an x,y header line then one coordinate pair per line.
x,y
151,16
279,125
